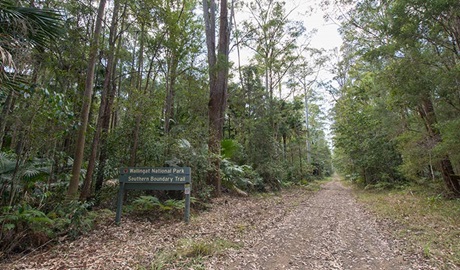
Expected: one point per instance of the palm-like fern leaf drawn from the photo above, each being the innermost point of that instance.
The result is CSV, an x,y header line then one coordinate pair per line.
x,y
6,165
24,24
21,27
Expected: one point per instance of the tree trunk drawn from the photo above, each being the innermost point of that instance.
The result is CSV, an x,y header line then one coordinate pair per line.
x,y
104,109
284,139
218,81
137,128
307,123
427,113
170,93
89,84
103,143
4,115
109,113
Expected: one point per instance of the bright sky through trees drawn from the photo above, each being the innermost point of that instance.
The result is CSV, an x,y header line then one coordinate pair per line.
x,y
312,14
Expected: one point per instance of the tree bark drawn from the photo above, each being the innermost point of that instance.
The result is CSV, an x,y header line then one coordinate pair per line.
x,y
426,110
89,84
105,106
4,115
218,81
137,129
170,93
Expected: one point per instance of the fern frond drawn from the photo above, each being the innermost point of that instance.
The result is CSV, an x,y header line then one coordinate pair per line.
x,y
30,172
6,165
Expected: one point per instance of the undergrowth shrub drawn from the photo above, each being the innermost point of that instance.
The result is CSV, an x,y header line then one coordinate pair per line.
x,y
72,218
24,227
151,204
242,177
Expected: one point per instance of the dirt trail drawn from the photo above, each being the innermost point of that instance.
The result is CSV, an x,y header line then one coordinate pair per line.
x,y
296,229
328,231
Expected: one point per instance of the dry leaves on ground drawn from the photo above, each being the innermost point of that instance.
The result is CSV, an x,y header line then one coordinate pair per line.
x,y
295,229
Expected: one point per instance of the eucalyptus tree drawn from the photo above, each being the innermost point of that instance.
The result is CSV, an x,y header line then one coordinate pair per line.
x,y
181,33
273,37
142,12
218,65
305,77
87,96
247,105
275,41
105,107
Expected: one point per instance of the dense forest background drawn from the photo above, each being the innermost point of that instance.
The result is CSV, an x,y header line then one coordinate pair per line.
x,y
87,87
397,111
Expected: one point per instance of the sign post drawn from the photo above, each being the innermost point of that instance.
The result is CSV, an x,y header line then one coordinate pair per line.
x,y
163,178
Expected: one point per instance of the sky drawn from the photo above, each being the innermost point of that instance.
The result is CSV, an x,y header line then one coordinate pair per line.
x,y
327,35
312,15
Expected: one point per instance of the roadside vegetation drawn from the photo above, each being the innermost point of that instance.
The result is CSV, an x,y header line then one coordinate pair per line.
x,y
396,119
422,216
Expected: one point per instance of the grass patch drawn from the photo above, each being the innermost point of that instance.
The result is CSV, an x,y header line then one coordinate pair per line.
x,y
190,254
427,220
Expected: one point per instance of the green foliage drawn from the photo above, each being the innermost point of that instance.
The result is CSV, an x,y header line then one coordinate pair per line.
x,y
396,113
230,148
27,25
151,204
242,177
195,155
362,134
23,215
72,218
23,227
21,177
21,29
146,203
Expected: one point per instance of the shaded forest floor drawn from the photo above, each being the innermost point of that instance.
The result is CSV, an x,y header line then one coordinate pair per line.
x,y
299,228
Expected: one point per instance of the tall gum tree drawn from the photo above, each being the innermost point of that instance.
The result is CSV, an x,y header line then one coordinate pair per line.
x,y
218,65
273,37
87,96
180,34
105,105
